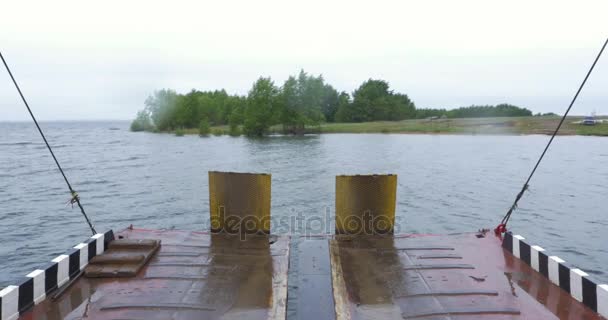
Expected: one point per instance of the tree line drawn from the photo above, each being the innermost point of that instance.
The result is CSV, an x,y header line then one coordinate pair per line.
x,y
487,111
301,102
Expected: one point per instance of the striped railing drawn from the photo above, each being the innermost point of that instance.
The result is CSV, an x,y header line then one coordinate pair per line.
x,y
37,285
574,281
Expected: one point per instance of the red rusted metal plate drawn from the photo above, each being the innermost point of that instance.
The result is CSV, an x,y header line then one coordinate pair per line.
x,y
202,276
193,276
124,258
441,277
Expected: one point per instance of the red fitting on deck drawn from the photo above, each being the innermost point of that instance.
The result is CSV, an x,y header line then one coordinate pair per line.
x,y
500,229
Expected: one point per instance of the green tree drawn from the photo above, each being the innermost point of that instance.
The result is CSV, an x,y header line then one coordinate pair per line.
x,y
187,110
301,102
203,127
427,113
161,107
343,113
401,107
289,104
330,103
501,110
370,101
142,122
311,90
260,113
374,101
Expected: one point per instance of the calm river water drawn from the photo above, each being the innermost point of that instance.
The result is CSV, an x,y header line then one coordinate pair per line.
x,y
447,184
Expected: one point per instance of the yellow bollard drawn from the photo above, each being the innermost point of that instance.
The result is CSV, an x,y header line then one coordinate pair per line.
x,y
365,204
239,202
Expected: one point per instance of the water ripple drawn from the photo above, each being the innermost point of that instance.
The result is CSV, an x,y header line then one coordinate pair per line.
x,y
446,184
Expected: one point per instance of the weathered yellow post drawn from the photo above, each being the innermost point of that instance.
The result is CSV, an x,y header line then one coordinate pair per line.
x,y
239,202
365,204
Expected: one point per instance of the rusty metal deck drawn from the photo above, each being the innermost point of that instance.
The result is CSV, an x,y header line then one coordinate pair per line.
x,y
465,276
193,276
205,276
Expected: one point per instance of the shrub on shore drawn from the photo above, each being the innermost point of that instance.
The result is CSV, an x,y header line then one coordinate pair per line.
x,y
218,132
142,122
234,131
203,128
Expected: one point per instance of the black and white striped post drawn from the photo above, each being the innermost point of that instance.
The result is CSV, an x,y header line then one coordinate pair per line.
x,y
34,288
574,281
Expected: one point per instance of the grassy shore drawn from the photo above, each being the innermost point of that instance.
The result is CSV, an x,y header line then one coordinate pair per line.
x,y
506,126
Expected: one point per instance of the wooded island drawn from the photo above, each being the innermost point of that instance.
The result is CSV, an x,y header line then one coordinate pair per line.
x,y
304,103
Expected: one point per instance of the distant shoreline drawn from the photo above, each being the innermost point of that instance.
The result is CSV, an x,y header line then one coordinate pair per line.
x,y
533,125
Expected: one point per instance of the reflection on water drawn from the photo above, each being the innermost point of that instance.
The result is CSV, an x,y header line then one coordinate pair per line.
x,y
445,184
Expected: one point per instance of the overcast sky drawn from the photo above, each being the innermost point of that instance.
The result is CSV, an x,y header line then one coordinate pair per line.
x,y
99,60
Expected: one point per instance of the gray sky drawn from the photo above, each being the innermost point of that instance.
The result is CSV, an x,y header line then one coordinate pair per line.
x,y
99,60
